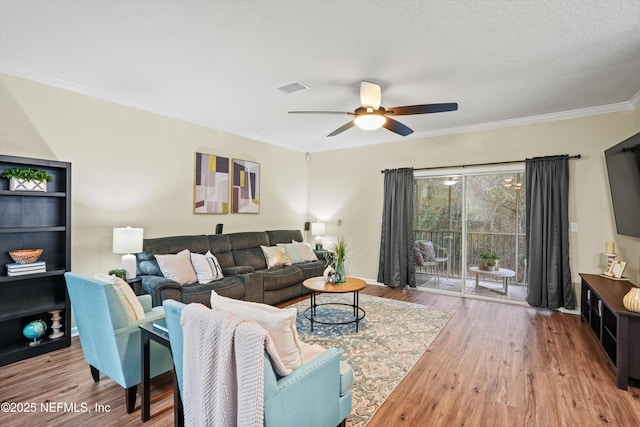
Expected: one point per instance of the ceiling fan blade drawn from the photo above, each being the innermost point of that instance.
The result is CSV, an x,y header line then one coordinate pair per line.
x,y
397,127
321,112
421,109
342,128
370,94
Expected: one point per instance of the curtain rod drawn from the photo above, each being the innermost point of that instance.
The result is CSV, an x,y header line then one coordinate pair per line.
x,y
577,156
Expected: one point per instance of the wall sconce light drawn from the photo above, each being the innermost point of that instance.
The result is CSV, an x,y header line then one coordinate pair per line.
x,y
318,229
128,241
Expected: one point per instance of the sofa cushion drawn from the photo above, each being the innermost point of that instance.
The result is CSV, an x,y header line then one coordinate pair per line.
x,y
177,267
246,248
275,256
220,246
281,277
147,264
283,236
311,269
306,252
206,267
279,322
292,252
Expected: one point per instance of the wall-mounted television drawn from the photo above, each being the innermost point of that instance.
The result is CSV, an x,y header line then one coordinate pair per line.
x,y
623,167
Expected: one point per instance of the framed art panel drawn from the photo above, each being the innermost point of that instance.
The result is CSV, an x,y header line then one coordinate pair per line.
x,y
245,188
211,192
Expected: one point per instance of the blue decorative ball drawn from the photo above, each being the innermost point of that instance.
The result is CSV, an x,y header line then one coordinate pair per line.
x,y
34,330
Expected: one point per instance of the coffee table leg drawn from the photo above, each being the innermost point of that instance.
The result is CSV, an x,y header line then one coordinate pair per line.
x,y
356,303
313,308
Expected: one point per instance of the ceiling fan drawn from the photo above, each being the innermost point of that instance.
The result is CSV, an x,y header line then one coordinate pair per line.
x,y
372,116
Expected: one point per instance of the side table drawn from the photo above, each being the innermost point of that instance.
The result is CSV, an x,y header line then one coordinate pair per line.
x,y
147,334
503,273
136,285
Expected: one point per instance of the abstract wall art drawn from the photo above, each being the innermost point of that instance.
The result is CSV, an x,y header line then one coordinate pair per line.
x,y
211,192
245,189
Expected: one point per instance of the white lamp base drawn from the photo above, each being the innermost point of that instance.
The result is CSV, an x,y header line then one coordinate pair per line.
x,y
318,243
129,266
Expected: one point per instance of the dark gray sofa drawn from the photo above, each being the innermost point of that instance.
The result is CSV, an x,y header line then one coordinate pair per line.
x,y
244,266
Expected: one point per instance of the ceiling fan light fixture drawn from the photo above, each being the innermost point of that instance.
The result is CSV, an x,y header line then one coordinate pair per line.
x,y
370,121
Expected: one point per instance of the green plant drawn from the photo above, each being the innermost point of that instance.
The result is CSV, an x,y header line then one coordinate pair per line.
x,y
27,174
338,253
485,255
118,272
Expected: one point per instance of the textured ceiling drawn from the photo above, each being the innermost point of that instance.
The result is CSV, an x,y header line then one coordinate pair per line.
x,y
218,63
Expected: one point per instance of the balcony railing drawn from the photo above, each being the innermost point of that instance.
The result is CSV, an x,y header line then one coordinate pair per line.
x,y
509,246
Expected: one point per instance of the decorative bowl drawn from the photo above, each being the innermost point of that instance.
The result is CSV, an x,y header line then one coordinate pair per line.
x,y
25,256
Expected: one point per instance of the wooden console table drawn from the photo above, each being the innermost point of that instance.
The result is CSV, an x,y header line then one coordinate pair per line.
x,y
616,329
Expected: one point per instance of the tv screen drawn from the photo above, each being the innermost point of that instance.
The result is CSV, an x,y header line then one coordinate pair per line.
x,y
623,167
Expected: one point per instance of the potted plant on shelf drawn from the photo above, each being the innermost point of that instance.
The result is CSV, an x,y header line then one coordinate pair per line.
x,y
27,179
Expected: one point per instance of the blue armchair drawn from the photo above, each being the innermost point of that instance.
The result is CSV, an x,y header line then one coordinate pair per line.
x,y
315,394
110,341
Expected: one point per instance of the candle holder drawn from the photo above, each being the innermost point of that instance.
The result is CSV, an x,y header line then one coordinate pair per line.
x,y
610,259
55,324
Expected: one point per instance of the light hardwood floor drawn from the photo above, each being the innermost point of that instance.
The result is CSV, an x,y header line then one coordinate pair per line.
x,y
492,365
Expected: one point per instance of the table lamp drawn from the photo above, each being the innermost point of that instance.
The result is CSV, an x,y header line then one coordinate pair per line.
x,y
317,229
128,241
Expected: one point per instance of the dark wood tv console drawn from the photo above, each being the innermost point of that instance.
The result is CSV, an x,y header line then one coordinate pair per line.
x,y
614,327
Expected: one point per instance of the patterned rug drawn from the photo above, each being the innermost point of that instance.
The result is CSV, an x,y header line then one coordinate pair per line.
x,y
390,340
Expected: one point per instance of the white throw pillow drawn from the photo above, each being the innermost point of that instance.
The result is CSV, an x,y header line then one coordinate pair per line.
x,y
306,252
207,267
279,322
292,252
275,256
177,267
130,303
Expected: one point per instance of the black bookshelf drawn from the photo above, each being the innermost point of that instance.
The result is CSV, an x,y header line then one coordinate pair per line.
x,y
30,220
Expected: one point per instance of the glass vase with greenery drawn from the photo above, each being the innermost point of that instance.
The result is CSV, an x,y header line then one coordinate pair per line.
x,y
338,255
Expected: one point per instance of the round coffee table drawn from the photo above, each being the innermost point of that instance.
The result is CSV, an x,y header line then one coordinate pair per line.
x,y
318,285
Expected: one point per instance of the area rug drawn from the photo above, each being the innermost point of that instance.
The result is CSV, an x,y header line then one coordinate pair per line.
x,y
390,340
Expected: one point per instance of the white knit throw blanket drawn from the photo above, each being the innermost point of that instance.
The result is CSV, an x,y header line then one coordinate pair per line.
x,y
223,368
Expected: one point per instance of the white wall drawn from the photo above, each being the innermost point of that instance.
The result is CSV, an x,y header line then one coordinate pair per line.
x,y
130,167
136,168
347,184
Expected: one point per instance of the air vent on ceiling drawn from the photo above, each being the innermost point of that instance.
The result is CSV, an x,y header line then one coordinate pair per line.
x,y
292,87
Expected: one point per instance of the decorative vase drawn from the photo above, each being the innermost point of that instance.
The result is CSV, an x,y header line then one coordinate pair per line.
x,y
34,330
631,300
339,276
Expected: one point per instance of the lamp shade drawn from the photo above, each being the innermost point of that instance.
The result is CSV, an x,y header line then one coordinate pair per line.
x,y
317,228
127,240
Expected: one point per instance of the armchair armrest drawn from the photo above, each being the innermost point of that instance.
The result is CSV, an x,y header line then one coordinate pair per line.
x,y
153,285
287,401
146,302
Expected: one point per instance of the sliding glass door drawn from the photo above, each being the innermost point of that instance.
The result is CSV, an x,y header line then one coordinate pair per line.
x,y
469,231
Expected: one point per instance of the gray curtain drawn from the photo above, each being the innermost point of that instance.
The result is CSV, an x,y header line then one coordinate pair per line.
x,y
397,264
547,232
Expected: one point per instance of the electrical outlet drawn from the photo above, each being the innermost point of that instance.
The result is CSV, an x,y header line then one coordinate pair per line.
x,y
574,227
